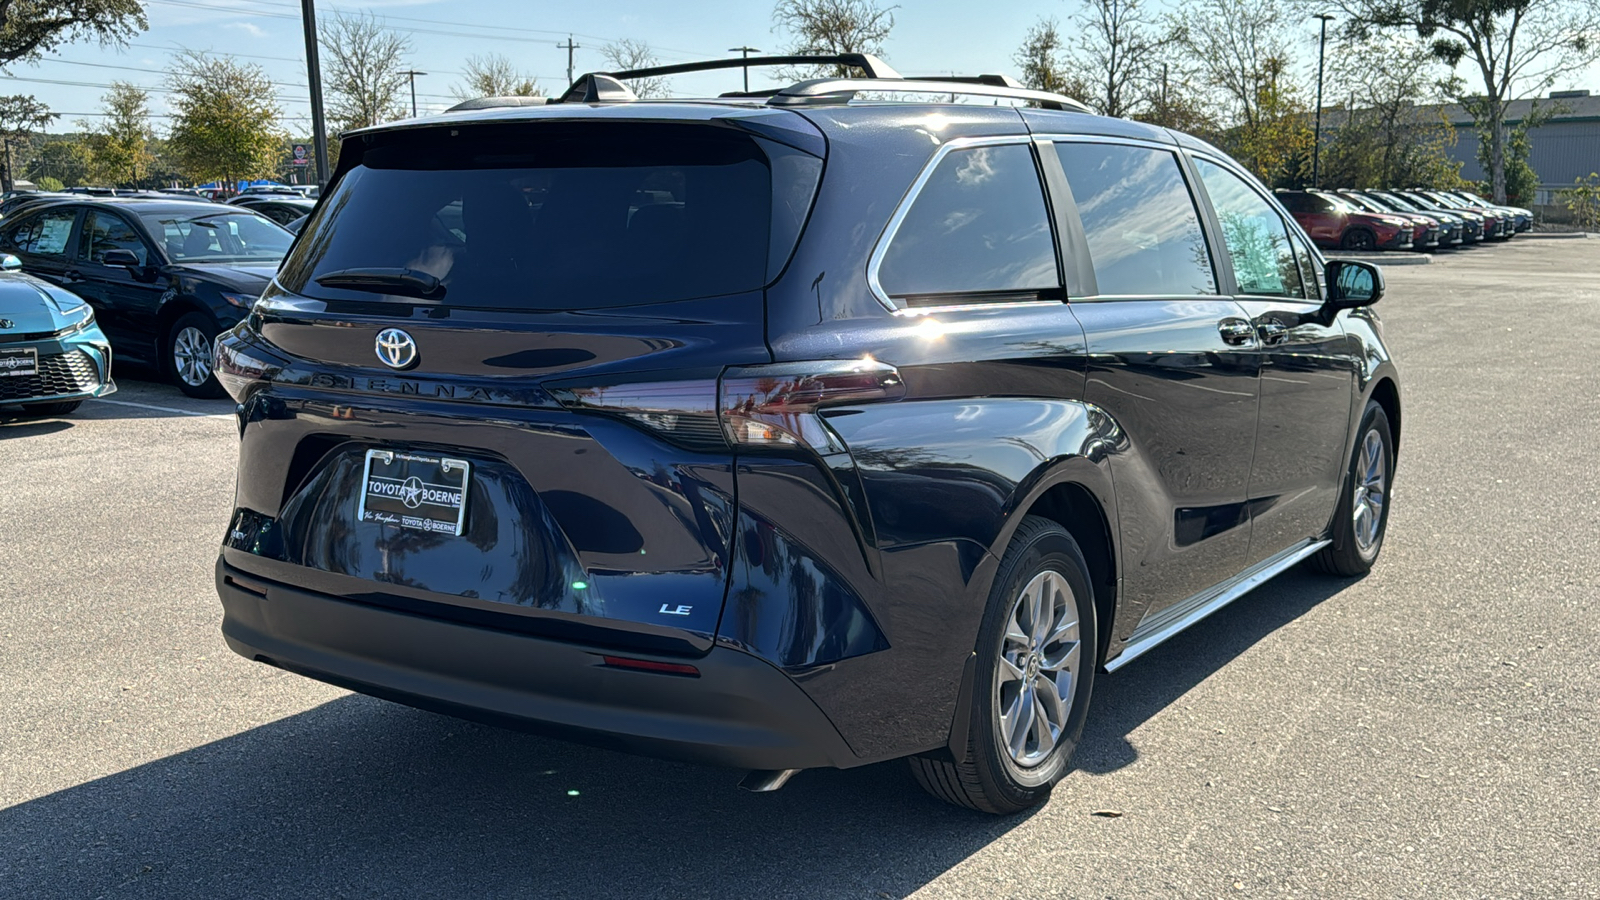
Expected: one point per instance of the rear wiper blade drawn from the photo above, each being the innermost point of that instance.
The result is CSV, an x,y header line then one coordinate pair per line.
x,y
409,282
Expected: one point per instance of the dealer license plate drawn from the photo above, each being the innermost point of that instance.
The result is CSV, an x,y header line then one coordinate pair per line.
x,y
412,490
16,362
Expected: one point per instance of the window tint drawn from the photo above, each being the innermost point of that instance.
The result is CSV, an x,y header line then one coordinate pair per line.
x,y
230,236
1256,236
17,237
564,216
978,225
1144,234
103,231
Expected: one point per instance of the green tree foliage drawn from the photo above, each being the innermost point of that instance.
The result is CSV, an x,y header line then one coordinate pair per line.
x,y
831,27
225,119
1383,136
65,159
1518,48
620,56
46,183
120,144
1042,62
1583,201
31,28
493,75
363,66
1521,181
1241,50
20,115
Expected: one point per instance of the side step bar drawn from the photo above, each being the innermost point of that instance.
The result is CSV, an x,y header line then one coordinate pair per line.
x,y
1152,632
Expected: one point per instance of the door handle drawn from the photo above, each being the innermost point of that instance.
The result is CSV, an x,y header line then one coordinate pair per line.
x,y
1272,332
1236,331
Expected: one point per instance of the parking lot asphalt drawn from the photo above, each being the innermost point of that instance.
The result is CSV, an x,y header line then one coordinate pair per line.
x,y
1428,731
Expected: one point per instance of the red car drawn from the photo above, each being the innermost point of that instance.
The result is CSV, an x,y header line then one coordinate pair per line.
x,y
1336,224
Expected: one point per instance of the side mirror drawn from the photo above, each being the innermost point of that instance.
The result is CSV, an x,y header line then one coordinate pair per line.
x,y
9,263
120,257
1353,284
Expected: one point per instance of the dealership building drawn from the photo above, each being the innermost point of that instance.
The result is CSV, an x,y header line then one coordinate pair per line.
x,y
1565,148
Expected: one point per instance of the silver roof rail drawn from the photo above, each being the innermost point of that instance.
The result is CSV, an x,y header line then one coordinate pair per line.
x,y
826,91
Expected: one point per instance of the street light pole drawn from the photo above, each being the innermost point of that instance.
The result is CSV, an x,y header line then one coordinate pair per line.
x,y
319,128
746,51
411,75
1316,144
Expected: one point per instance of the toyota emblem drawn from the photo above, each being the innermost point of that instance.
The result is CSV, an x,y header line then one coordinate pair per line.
x,y
396,349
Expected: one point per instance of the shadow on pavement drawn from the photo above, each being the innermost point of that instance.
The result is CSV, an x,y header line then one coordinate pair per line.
x,y
1127,699
358,797
13,425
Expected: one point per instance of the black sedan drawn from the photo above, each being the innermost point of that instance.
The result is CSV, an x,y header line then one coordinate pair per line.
x,y
280,209
164,276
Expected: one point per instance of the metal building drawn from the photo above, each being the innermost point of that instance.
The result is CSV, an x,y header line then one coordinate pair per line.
x,y
1565,148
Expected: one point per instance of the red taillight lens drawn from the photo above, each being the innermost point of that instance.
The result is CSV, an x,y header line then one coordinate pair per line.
x,y
650,665
777,405
682,411
241,369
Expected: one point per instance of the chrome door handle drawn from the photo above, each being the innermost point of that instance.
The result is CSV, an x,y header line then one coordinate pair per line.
x,y
1272,332
1236,331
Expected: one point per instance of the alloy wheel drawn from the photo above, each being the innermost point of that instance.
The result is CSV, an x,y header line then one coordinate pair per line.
x,y
1370,484
191,356
1037,669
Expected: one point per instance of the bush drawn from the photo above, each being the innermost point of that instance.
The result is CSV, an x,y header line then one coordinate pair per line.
x,y
1583,201
48,183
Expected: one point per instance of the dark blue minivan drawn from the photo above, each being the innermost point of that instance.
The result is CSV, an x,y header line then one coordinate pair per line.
x,y
866,418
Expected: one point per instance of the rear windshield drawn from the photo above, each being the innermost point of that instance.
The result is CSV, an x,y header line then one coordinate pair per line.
x,y
231,236
562,216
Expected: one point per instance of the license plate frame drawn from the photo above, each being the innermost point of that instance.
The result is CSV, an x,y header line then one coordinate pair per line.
x,y
11,367
414,491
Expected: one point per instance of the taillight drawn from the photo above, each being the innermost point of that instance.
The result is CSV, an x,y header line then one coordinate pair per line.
x,y
754,406
777,405
650,665
241,368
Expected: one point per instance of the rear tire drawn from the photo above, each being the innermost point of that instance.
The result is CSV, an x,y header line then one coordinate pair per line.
x,y
1358,239
1034,677
187,354
51,409
1362,517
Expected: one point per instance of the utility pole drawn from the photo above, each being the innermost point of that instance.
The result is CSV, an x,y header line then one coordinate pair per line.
x,y
746,51
1316,141
319,127
411,75
569,46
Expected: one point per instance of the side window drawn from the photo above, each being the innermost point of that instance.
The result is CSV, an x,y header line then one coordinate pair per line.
x,y
1308,269
54,230
18,237
1256,236
978,225
1143,232
103,231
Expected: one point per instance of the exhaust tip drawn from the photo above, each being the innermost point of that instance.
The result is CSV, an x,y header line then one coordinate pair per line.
x,y
762,781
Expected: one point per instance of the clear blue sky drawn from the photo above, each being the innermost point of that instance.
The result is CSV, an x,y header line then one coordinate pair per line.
x,y
930,36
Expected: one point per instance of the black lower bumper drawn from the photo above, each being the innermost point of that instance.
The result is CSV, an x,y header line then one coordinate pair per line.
x,y
740,712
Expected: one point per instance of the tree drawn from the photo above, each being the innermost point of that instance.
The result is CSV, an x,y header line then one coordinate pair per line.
x,y
20,114
1118,48
67,160
493,75
1384,136
631,54
1241,49
364,72
1518,47
31,28
1043,64
1583,201
120,144
225,118
832,27
47,183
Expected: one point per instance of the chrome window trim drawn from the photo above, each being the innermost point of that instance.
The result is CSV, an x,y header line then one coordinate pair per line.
x,y
1107,139
904,209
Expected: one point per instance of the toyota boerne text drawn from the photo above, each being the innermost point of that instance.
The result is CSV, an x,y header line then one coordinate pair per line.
x,y
811,427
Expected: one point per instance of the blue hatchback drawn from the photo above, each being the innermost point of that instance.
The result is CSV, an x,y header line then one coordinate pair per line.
x,y
52,354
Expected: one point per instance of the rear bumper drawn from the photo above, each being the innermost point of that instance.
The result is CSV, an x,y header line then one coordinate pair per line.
x,y
740,712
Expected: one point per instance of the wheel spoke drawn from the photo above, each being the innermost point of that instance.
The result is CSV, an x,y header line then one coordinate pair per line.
x,y
1021,723
1064,659
1045,732
1009,671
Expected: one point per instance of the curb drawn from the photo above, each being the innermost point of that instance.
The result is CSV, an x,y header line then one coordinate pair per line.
x,y
1387,259
1556,235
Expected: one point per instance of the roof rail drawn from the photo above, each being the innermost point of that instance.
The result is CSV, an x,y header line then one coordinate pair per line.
x,y
826,91
866,62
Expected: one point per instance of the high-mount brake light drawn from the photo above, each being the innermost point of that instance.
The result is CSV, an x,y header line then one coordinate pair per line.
x,y
777,405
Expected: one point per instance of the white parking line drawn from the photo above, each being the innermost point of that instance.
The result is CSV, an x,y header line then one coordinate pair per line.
x,y
168,409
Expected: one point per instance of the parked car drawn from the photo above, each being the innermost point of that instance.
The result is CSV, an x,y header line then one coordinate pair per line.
x,y
280,209
264,191
296,225
1510,219
1495,225
164,276
22,199
1444,230
790,431
52,354
1522,216
1333,223
1472,224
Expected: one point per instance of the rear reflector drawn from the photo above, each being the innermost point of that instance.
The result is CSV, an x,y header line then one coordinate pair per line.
x,y
650,665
